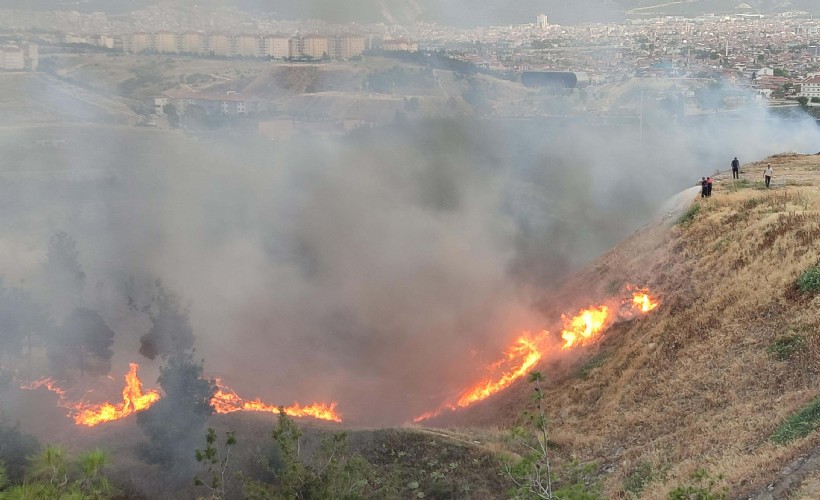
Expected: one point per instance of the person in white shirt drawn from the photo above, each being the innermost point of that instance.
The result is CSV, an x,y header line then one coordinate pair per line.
x,y
767,174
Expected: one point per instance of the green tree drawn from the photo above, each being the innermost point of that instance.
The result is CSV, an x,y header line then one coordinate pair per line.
x,y
14,448
803,101
171,333
92,481
173,115
335,473
53,475
216,460
21,318
174,422
51,466
533,473
83,342
63,273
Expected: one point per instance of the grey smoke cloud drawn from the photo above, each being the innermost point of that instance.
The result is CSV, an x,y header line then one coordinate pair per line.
x,y
383,270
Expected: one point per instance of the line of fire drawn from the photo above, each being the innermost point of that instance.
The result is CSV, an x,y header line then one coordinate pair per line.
x,y
526,351
581,329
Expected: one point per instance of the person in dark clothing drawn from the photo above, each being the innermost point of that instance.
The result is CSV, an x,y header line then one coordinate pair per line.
x,y
703,187
708,187
735,169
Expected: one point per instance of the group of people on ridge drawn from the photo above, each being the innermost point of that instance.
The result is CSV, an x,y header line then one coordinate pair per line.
x,y
706,182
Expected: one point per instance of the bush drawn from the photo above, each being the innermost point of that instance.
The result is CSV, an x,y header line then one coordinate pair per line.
x,y
702,488
784,347
591,364
800,424
809,281
638,479
690,214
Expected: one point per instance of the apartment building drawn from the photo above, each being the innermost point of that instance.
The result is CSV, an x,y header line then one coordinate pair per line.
x,y
247,46
137,42
192,42
810,87
312,46
276,46
165,42
220,45
345,47
12,58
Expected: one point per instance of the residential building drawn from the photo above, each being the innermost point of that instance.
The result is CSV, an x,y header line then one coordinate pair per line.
x,y
104,41
541,21
230,103
810,87
313,46
138,42
32,56
276,46
345,47
220,45
247,46
166,42
192,42
12,58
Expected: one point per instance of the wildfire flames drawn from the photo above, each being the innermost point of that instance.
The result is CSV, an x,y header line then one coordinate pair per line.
x,y
227,401
133,400
224,400
581,329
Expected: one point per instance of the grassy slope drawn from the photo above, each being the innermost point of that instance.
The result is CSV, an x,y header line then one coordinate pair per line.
x,y
694,385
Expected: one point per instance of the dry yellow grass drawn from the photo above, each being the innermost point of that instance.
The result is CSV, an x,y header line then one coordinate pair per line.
x,y
694,384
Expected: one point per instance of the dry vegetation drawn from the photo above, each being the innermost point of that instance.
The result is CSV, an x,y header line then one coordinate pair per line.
x,y
705,381
698,384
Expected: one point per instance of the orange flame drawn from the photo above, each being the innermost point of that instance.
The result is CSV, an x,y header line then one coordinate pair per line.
x,y
643,302
226,400
133,400
587,324
519,359
583,328
522,356
49,383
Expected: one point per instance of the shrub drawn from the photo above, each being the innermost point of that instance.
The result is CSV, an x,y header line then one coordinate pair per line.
x,y
690,214
639,477
800,424
784,347
591,364
809,281
702,488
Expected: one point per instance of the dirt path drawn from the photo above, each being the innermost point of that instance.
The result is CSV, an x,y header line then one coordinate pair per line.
x,y
792,476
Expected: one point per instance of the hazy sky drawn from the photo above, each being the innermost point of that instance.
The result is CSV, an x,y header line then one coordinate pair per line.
x,y
463,13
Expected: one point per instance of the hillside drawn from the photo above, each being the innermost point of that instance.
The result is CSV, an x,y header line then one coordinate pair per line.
x,y
41,98
704,381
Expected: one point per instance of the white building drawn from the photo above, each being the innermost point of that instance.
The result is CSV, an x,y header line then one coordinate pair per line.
x,y
810,87
12,58
541,21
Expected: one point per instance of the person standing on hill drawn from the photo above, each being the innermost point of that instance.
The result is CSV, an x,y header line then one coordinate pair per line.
x,y
767,174
735,169
708,187
703,187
